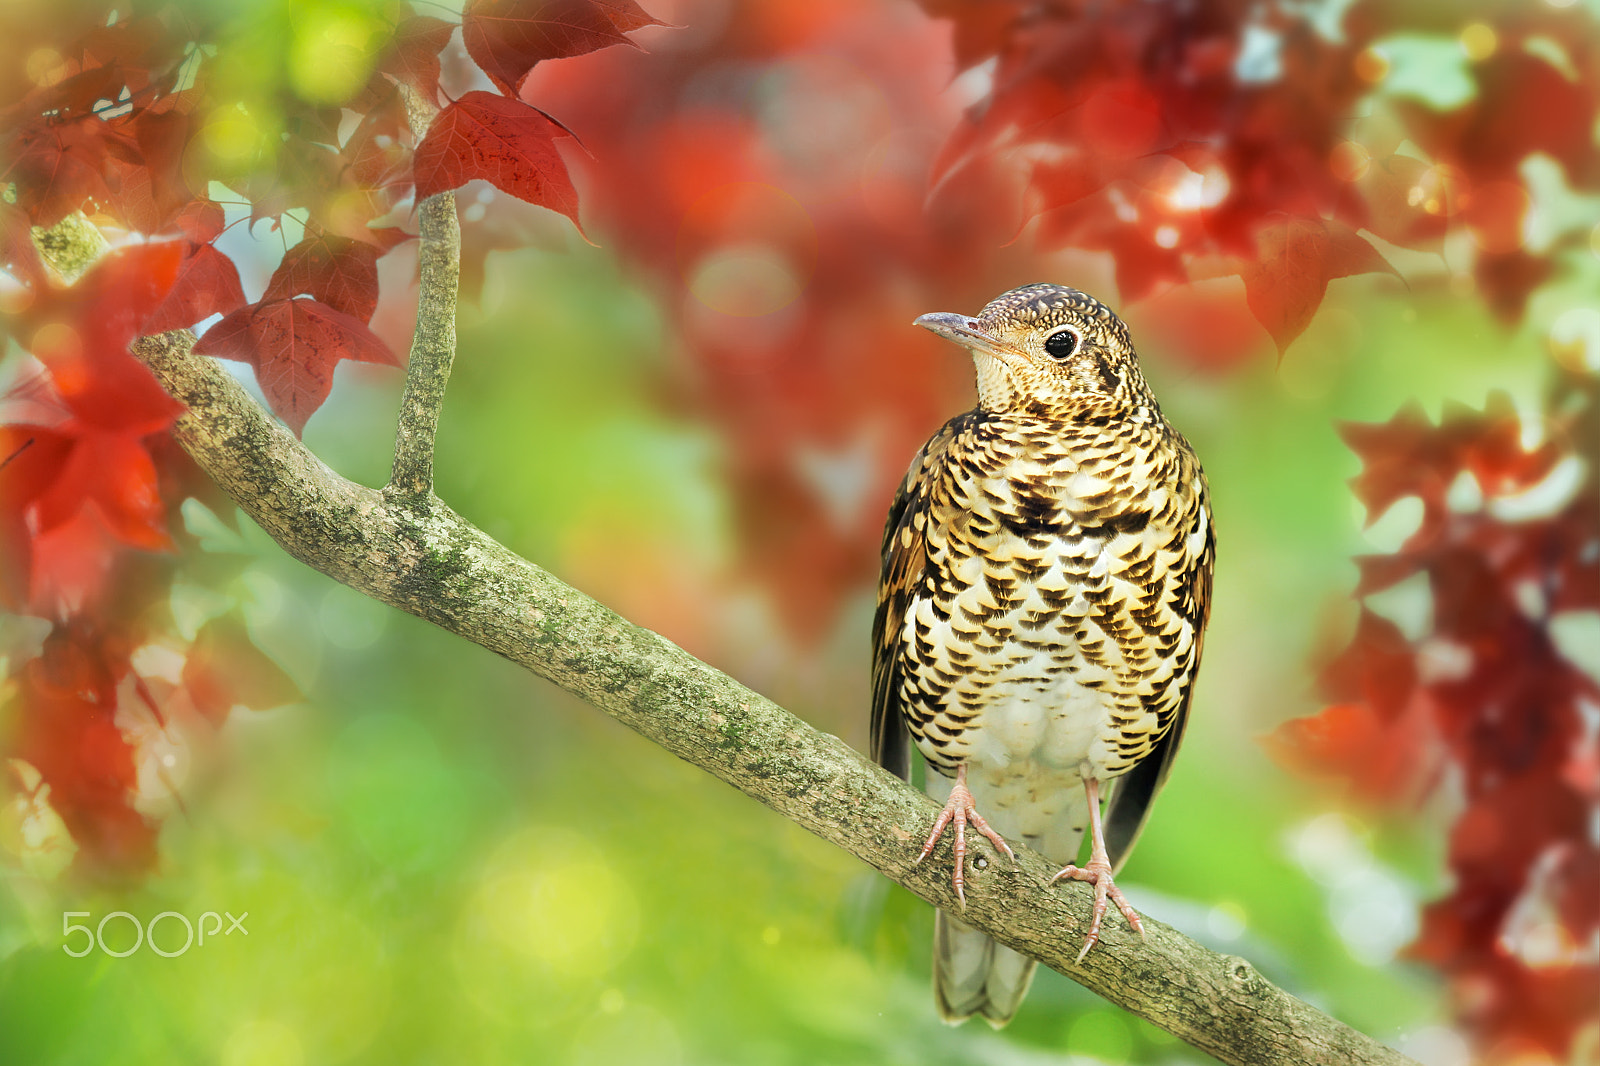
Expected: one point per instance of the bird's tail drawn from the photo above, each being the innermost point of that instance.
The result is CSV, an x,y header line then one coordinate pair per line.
x,y
974,975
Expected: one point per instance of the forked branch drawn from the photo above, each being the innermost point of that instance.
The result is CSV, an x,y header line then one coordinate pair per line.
x,y
429,561
433,343
434,564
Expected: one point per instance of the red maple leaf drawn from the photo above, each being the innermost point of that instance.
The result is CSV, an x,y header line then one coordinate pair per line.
x,y
82,755
304,173
294,346
56,166
202,221
114,472
94,462
30,459
81,335
507,143
1408,455
626,15
1394,209
1485,695
1377,669
980,29
1507,279
163,138
341,272
507,37
75,94
207,284
375,153
412,55
1523,105
67,730
60,152
1297,258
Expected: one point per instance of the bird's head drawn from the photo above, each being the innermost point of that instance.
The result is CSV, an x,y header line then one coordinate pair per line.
x,y
1047,350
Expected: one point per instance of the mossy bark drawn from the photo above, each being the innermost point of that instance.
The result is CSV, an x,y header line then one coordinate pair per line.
x,y
71,246
415,553
433,344
405,547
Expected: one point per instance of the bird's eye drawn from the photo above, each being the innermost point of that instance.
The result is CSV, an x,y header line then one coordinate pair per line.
x,y
1061,344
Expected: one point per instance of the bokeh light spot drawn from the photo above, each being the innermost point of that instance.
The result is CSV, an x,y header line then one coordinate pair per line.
x,y
44,66
638,1035
15,297
1194,190
548,918
263,1042
331,57
746,249
59,347
1101,1034
1374,914
163,759
1478,41
232,136
1349,161
558,902
1226,921
1374,911
1372,66
745,280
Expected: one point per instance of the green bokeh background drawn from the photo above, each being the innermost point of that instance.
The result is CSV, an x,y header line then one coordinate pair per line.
x,y
445,860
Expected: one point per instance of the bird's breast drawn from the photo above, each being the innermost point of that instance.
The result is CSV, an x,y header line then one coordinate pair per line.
x,y
1042,630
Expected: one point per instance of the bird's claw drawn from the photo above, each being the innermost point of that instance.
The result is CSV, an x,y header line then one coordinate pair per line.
x,y
1098,874
961,810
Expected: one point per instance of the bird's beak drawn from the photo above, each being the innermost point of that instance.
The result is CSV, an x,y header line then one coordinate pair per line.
x,y
968,333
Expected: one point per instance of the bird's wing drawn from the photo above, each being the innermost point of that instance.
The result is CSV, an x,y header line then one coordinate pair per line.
x,y
1136,790
905,557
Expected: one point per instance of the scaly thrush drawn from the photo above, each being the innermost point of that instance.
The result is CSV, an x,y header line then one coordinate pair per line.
x,y
1045,586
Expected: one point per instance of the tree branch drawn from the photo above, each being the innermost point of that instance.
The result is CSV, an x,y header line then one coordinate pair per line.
x,y
433,343
71,246
432,563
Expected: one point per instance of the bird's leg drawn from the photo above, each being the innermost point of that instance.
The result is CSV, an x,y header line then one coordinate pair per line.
x,y
960,809
1098,873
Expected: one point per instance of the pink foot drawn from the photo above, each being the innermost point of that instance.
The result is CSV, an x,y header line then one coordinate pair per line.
x,y
960,809
1098,874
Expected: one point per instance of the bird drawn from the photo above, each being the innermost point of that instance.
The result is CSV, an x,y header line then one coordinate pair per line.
x,y
1042,605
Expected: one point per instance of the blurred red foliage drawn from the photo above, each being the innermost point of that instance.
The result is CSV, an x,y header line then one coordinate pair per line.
x,y
1191,144
90,478
1183,137
797,180
1485,702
